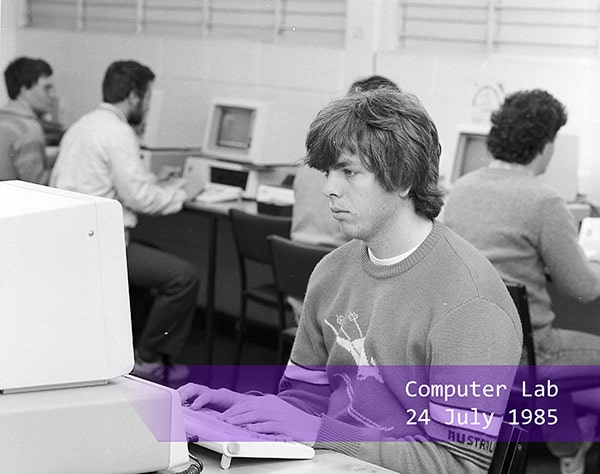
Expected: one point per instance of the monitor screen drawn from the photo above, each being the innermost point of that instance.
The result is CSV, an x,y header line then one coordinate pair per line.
x,y
235,127
471,154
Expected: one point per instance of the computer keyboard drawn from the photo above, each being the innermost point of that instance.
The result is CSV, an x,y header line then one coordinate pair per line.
x,y
204,429
219,193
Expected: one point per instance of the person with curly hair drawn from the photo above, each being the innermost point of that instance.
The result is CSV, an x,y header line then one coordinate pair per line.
x,y
525,229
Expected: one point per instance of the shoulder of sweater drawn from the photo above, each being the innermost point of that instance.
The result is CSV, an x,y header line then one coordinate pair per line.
x,y
8,119
340,257
478,268
530,188
547,192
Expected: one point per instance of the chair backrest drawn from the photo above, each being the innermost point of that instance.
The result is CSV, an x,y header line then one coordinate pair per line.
x,y
510,455
518,293
293,263
250,232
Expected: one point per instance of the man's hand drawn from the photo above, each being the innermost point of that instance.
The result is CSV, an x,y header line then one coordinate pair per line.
x,y
168,172
270,414
266,414
198,396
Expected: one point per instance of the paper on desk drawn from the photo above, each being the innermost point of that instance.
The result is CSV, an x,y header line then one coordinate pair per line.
x,y
589,236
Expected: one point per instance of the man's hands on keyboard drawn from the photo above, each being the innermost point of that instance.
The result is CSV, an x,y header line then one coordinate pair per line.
x,y
267,414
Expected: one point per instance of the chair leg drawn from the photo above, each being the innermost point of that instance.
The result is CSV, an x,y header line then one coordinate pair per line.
x,y
240,331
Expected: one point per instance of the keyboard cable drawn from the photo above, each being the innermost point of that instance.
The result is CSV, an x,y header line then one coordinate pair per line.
x,y
196,466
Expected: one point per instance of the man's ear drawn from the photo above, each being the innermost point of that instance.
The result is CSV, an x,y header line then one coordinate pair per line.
x,y
404,192
23,90
133,98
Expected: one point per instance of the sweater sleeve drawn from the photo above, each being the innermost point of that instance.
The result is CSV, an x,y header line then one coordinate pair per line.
x,y
563,257
461,347
29,159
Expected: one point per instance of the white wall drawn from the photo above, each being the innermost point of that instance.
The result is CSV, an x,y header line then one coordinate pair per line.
x,y
297,81
10,11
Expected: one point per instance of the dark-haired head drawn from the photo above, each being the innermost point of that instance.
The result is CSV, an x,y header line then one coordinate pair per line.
x,y
525,123
24,72
393,136
372,83
124,77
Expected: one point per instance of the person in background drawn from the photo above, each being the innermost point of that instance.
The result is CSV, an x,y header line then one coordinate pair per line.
x,y
31,91
100,155
405,300
525,229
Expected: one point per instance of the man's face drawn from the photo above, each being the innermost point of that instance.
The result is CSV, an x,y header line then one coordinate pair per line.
x,y
41,95
138,112
357,201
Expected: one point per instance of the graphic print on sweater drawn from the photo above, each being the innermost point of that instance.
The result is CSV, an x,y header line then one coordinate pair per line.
x,y
350,337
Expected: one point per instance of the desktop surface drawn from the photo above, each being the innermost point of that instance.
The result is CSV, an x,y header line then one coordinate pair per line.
x,y
325,461
221,208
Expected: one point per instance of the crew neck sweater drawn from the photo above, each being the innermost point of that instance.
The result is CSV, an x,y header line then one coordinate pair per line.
x,y
441,315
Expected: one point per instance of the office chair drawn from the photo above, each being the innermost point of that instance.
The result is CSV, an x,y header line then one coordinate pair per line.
x,y
518,293
510,456
584,400
293,263
250,232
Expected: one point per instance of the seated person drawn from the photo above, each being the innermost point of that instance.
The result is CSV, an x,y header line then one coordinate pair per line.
x,y
405,297
30,87
100,155
525,229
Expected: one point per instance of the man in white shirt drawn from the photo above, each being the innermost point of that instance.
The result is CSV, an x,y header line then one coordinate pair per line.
x,y
100,155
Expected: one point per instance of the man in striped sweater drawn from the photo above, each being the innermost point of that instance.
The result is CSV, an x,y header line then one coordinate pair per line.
x,y
400,325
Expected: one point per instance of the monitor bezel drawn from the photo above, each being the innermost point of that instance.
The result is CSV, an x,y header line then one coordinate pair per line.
x,y
256,135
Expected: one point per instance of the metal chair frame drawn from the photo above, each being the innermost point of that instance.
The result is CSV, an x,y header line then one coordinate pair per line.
x,y
250,232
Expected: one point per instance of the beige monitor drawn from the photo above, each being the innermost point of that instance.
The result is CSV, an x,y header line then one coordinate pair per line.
x,y
65,304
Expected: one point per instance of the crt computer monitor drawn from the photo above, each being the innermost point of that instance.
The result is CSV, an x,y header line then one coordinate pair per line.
x,y
66,403
562,173
236,130
65,305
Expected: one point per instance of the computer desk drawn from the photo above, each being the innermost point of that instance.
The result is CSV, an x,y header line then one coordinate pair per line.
x,y
214,212
571,314
325,461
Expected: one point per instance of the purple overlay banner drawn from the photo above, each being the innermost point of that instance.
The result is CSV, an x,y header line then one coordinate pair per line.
x,y
449,404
